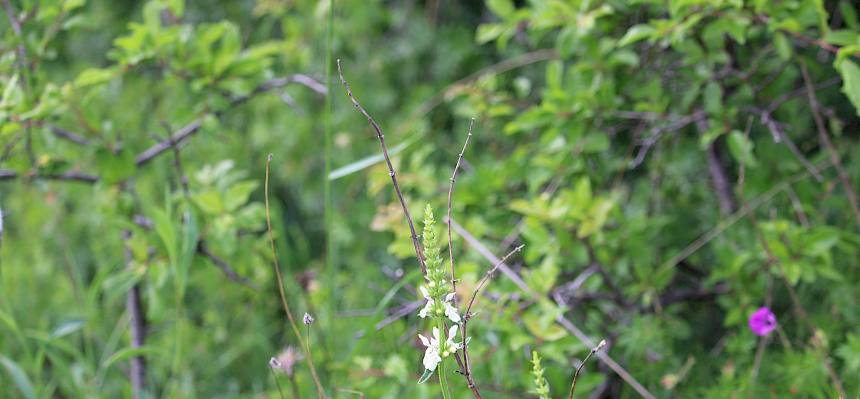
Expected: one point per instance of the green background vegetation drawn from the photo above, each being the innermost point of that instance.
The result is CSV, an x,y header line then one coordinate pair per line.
x,y
664,163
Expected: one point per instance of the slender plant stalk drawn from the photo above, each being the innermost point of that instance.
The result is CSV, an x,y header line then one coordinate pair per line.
x,y
464,364
379,135
280,278
450,200
443,374
581,365
467,366
331,263
277,383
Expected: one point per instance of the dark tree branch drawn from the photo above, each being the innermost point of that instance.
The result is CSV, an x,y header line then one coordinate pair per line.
x,y
228,271
203,249
719,179
779,135
80,177
137,324
68,135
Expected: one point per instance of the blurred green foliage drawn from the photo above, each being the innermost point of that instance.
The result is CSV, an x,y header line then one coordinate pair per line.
x,y
664,163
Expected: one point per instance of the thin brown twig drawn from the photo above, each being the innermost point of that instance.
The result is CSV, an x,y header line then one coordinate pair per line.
x,y
824,137
489,274
466,366
280,278
419,252
594,350
450,200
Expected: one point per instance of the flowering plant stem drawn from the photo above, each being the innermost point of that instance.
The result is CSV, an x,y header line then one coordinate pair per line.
x,y
443,381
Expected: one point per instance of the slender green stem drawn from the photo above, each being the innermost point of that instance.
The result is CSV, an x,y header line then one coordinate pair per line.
x,y
331,263
443,375
443,381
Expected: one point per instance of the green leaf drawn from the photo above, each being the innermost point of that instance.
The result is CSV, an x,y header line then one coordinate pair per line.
x,y
502,8
783,46
369,161
94,76
238,194
67,328
18,377
127,353
741,148
210,202
488,32
635,34
425,376
713,99
851,82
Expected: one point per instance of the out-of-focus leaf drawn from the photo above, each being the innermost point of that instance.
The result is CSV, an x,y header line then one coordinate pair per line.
x,y
19,378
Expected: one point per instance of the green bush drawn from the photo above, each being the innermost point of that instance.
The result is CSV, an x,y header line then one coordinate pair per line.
x,y
667,168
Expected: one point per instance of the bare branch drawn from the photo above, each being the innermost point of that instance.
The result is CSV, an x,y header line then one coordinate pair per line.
x,y
824,137
419,252
80,177
450,200
722,187
175,139
228,271
487,276
188,130
467,368
779,136
68,135
137,323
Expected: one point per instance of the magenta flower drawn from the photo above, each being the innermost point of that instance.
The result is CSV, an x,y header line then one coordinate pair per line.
x,y
762,322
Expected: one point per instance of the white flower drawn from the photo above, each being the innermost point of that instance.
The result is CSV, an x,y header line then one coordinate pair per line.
x,y
431,354
450,310
450,345
428,308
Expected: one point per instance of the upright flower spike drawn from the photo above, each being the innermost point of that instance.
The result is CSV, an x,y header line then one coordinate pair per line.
x,y
439,306
437,290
